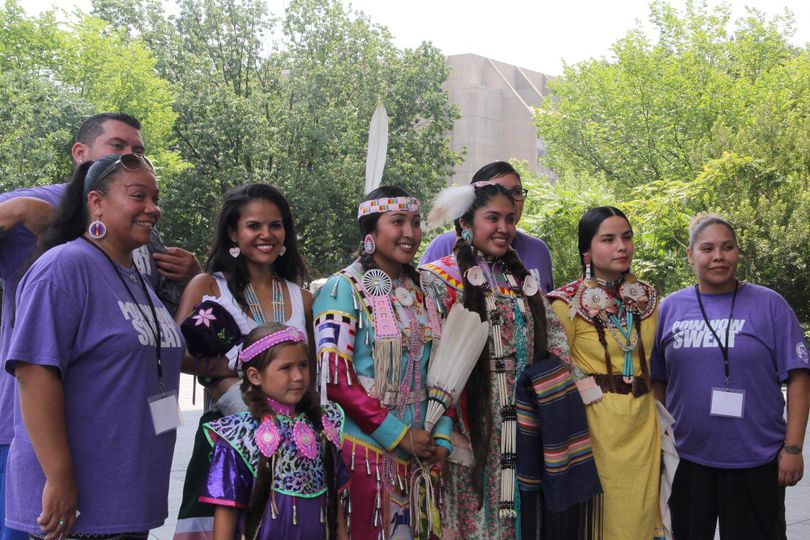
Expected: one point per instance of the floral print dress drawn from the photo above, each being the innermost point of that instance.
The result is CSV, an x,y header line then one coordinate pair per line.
x,y
461,517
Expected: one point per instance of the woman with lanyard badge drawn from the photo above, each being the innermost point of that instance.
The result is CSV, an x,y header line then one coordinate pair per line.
x,y
722,352
97,358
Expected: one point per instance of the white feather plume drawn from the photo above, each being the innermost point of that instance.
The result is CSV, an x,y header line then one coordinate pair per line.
x,y
377,149
450,204
463,338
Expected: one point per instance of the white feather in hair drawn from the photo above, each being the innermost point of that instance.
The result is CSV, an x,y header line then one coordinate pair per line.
x,y
450,204
377,148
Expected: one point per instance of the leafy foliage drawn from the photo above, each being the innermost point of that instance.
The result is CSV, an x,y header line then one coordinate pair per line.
x,y
704,118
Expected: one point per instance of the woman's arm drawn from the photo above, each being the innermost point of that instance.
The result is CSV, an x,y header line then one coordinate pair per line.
x,y
225,522
43,412
791,461
199,286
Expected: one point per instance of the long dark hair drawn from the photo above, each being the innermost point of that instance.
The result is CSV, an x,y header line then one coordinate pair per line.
x,y
368,224
256,401
290,266
72,217
477,389
586,231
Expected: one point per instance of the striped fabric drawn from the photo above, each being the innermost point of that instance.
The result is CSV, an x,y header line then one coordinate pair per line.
x,y
554,445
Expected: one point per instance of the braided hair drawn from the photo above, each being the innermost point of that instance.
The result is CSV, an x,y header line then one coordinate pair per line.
x,y
368,224
256,400
477,389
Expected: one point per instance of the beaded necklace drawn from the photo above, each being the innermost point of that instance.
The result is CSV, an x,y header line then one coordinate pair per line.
x,y
483,275
256,308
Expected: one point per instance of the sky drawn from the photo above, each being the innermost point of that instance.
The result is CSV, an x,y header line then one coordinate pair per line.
x,y
534,34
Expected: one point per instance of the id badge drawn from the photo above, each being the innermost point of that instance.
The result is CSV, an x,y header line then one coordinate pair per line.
x,y
727,402
165,411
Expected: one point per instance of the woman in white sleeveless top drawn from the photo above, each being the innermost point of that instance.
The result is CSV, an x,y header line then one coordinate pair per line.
x,y
253,271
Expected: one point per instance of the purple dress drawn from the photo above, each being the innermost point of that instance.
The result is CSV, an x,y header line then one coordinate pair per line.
x,y
298,485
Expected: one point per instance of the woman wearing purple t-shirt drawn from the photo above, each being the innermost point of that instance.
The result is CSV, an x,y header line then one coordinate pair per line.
x,y
723,349
97,360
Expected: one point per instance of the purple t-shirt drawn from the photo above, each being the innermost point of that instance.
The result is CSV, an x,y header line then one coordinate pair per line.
x,y
532,251
765,342
16,246
74,313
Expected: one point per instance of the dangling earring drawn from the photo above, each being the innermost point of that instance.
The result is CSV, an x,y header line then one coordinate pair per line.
x,y
235,251
97,229
369,245
282,251
467,235
587,270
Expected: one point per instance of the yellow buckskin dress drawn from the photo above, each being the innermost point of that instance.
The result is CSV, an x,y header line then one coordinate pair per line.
x,y
624,427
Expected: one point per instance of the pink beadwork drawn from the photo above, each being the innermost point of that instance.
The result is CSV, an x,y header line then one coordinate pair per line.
x,y
268,437
331,432
305,439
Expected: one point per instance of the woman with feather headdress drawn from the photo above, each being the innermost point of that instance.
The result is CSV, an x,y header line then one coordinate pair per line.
x,y
374,339
504,474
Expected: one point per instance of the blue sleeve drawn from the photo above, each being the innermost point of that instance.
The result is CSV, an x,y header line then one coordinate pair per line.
x,y
441,246
658,365
47,318
790,346
441,432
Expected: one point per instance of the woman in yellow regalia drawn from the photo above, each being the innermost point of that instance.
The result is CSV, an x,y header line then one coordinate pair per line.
x,y
610,319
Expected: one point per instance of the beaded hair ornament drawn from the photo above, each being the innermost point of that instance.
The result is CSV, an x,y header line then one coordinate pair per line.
x,y
289,334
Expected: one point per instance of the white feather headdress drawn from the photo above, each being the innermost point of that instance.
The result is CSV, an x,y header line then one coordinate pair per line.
x,y
377,148
450,204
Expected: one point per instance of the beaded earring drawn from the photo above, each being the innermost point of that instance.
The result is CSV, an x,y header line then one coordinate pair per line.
x,y
97,229
369,245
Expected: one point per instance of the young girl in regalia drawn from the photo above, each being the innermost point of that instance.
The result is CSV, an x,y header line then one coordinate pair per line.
x,y
501,462
276,470
610,318
374,339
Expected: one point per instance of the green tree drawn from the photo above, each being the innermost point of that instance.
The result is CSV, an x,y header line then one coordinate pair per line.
x,y
54,75
294,114
709,116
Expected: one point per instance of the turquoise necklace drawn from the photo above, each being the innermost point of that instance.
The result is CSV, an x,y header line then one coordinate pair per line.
x,y
627,341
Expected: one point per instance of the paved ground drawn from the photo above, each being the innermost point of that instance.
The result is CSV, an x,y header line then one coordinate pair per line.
x,y
797,501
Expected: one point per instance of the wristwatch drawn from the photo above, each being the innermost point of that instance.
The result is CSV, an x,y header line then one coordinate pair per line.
x,y
792,449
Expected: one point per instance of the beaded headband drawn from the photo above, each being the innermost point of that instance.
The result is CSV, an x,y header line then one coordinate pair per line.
x,y
389,204
293,335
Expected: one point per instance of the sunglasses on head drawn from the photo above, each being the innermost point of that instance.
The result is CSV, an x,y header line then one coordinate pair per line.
x,y
130,162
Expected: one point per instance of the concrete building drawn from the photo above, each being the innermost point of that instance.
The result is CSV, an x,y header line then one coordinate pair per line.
x,y
496,103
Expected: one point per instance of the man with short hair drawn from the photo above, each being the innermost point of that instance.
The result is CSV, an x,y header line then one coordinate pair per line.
x,y
532,251
24,214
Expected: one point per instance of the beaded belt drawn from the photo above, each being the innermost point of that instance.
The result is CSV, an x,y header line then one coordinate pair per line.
x,y
638,387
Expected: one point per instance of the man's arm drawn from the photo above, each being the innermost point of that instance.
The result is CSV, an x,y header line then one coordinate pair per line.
x,y
32,213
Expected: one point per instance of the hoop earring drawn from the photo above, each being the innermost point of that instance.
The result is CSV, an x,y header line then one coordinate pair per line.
x,y
97,230
282,251
235,251
369,245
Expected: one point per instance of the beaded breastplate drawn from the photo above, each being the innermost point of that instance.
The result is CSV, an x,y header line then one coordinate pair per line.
x,y
294,473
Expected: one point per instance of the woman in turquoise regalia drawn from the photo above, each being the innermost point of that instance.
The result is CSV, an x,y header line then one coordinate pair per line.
x,y
374,337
